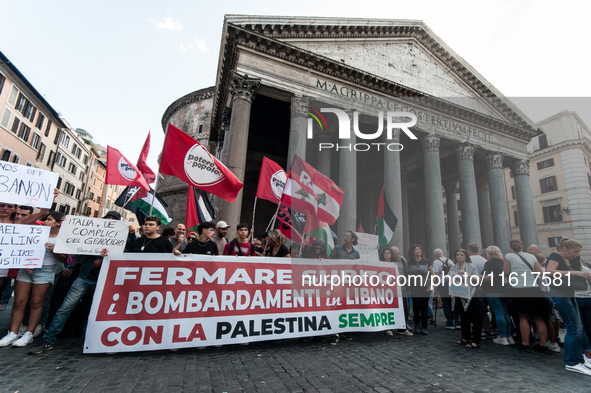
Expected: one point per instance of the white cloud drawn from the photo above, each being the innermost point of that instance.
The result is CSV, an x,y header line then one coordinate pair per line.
x,y
185,46
201,46
169,24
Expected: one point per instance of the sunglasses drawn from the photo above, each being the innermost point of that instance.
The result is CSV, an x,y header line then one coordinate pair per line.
x,y
346,236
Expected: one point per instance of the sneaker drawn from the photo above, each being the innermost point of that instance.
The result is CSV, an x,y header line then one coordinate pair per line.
x,y
553,346
432,322
510,340
458,326
38,331
42,347
405,333
8,339
345,336
335,340
417,330
389,333
501,341
521,347
450,327
579,368
424,331
22,330
587,362
25,340
541,349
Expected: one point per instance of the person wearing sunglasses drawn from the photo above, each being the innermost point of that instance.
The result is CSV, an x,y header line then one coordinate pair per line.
x,y
346,250
317,250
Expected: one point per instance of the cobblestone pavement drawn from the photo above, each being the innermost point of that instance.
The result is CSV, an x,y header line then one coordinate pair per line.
x,y
372,362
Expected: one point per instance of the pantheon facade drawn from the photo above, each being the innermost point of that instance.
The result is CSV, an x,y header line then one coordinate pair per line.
x,y
274,73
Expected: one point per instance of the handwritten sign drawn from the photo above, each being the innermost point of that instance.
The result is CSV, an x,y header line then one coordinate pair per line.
x,y
88,236
368,246
22,246
25,185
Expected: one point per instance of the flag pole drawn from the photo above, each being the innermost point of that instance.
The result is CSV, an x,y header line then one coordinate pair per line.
x,y
155,191
254,209
272,223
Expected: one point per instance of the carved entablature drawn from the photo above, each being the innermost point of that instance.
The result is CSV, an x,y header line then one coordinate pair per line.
x,y
494,161
430,142
520,168
241,86
465,151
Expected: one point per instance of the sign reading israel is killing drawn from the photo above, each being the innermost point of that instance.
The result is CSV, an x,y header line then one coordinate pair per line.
x,y
149,302
22,246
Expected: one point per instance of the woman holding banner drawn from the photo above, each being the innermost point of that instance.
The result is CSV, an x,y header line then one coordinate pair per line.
x,y
277,249
32,285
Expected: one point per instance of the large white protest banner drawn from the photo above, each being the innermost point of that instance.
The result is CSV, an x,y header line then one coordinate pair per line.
x,y
88,236
160,301
22,246
368,246
25,185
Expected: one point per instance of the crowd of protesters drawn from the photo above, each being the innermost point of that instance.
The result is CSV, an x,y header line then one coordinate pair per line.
x,y
55,300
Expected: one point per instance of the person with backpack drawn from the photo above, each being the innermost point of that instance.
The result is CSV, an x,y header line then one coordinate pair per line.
x,y
240,246
346,250
441,267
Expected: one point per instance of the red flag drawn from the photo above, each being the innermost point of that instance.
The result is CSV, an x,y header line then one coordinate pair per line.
x,y
360,229
191,216
271,181
291,223
188,160
149,175
120,171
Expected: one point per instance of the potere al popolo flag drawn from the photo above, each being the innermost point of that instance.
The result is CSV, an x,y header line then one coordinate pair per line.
x,y
189,161
120,171
271,181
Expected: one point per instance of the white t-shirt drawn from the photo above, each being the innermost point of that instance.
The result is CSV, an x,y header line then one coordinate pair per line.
x,y
438,264
48,259
586,293
478,261
519,267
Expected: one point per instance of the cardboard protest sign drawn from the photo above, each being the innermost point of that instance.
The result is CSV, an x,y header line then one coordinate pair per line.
x,y
159,301
368,246
25,185
88,236
22,246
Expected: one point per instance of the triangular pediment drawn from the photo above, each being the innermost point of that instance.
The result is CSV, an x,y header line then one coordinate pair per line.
x,y
404,52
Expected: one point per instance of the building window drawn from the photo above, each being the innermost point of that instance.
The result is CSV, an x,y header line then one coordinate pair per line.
x,y
48,128
98,200
552,213
81,176
76,151
15,158
546,164
513,192
24,132
548,184
6,155
65,209
60,159
96,213
543,141
41,152
92,196
5,118
459,206
72,168
59,183
73,211
12,97
200,129
36,141
65,140
40,121
88,211
50,159
15,123
515,217
69,189
554,241
29,163
2,80
78,192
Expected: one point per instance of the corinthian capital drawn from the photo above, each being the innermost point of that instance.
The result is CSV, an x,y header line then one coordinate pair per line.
x,y
494,160
465,151
451,186
430,142
520,168
298,105
241,86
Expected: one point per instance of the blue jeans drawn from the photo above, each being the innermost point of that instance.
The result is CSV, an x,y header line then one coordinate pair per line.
x,y
573,343
76,293
584,304
499,305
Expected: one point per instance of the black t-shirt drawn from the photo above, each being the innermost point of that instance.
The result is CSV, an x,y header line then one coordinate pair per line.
x,y
143,244
209,248
562,266
494,266
283,251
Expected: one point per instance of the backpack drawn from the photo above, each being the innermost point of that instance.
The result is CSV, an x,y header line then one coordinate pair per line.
x,y
341,247
233,244
446,266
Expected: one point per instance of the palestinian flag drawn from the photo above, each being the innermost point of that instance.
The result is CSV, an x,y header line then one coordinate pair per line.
x,y
141,207
199,209
325,233
385,221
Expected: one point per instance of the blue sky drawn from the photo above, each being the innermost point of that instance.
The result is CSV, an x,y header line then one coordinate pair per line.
x,y
113,67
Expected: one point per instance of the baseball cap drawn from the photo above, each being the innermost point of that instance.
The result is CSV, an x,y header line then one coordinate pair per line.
x,y
221,224
113,214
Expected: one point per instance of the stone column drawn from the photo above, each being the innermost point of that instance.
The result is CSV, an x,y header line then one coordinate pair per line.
x,y
405,221
323,163
453,222
498,202
393,188
528,228
298,128
468,195
242,89
348,182
434,218
486,229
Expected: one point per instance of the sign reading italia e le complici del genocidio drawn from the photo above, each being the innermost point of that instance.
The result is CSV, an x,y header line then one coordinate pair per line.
x,y
151,302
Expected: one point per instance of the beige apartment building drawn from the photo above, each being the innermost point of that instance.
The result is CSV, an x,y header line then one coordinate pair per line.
x,y
29,126
560,161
